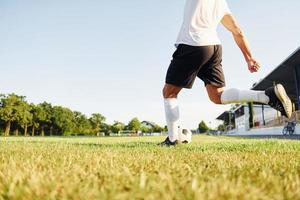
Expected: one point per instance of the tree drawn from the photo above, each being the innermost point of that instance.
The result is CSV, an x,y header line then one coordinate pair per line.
x,y
44,119
158,129
35,111
165,129
26,119
63,120
146,129
96,121
134,125
43,116
106,129
24,116
1,127
117,127
222,127
82,124
150,127
12,108
203,128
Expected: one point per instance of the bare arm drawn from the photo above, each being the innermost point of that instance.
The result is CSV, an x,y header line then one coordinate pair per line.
x,y
232,25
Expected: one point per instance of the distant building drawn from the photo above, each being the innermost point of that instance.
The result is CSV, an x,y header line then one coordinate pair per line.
x,y
248,116
150,126
147,124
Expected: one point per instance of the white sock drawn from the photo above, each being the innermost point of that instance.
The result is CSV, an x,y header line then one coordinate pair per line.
x,y
172,118
230,96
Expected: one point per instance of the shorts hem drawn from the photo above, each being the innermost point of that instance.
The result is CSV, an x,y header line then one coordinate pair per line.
x,y
216,84
178,85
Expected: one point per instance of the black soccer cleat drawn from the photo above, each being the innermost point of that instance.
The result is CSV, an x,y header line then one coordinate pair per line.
x,y
279,100
168,143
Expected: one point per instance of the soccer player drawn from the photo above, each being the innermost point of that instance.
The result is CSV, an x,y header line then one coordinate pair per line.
x,y
199,54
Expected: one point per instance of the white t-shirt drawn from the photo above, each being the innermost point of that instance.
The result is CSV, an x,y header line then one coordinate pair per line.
x,y
201,18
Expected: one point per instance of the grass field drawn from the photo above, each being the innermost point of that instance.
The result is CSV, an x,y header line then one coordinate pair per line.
x,y
135,168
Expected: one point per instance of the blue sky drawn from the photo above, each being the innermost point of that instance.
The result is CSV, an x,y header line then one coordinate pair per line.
x,y
111,56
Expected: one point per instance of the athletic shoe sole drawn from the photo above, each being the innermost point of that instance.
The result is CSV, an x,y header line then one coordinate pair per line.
x,y
284,98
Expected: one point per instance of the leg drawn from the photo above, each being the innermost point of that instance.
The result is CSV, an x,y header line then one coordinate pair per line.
x,y
220,95
214,93
234,95
182,72
171,91
170,94
214,80
275,96
213,75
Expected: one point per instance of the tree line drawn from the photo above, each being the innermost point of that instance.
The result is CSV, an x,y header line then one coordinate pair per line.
x,y
18,117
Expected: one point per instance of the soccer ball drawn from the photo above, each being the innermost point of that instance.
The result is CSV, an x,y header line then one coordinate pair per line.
x,y
185,136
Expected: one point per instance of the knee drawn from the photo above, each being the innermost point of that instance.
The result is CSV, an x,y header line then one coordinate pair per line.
x,y
169,93
215,94
216,99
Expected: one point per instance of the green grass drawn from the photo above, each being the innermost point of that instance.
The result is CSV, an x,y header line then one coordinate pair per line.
x,y
135,168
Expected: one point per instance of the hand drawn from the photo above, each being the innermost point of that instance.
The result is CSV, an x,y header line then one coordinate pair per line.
x,y
253,65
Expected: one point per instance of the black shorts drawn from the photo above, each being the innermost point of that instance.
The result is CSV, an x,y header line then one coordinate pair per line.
x,y
189,62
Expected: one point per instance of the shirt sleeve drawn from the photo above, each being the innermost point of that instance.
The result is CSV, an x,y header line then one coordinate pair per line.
x,y
225,8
